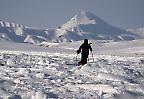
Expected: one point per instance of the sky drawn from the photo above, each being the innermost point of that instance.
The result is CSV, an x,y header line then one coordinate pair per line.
x,y
53,13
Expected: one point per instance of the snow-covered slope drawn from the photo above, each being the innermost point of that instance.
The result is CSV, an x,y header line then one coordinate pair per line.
x,y
99,47
28,71
122,48
88,25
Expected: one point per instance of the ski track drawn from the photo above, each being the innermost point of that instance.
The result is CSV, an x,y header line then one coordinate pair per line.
x,y
37,75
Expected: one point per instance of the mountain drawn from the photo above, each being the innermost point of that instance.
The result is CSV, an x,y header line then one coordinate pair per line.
x,y
19,33
88,25
81,26
139,31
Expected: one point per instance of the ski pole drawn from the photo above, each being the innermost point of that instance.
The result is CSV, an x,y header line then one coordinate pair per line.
x,y
88,59
76,59
92,56
92,53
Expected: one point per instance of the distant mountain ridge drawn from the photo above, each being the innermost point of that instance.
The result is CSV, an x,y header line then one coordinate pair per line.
x,y
81,26
139,31
16,33
10,24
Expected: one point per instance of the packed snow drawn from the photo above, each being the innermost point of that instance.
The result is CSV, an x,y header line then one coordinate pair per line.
x,y
29,71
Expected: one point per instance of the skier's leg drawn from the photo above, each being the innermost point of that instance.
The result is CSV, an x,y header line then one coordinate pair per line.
x,y
82,60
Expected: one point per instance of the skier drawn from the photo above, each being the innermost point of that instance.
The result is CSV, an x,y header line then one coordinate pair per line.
x,y
85,47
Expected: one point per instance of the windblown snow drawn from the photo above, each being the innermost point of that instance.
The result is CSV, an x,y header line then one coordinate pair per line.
x,y
29,71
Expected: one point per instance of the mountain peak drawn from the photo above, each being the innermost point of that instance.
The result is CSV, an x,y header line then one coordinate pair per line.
x,y
86,17
83,18
88,14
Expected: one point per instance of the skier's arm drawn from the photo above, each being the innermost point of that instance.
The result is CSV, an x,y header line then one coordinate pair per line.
x,y
79,50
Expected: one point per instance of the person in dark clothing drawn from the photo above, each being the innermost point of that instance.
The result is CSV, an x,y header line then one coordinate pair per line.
x,y
84,50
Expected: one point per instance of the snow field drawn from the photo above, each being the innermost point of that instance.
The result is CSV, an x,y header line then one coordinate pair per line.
x,y
37,75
